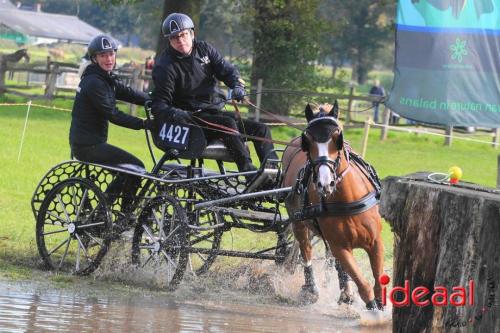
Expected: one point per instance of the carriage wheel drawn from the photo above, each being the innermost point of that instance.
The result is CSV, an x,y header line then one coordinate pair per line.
x,y
160,239
204,236
202,233
73,227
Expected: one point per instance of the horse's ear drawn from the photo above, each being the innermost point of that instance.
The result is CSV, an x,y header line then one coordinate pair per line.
x,y
334,112
309,113
340,141
304,145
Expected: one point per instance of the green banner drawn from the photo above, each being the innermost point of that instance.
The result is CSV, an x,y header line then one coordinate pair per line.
x,y
447,68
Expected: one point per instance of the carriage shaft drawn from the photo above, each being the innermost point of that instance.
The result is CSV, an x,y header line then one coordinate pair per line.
x,y
243,196
239,254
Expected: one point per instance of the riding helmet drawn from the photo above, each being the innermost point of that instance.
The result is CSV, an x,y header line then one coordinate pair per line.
x,y
175,23
100,44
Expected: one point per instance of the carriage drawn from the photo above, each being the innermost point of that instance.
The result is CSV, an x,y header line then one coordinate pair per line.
x,y
180,212
178,215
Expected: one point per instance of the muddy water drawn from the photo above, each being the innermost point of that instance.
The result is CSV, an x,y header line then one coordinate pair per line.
x,y
22,311
253,298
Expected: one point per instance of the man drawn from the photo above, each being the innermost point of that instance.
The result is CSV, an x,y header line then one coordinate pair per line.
x,y
185,78
376,90
93,109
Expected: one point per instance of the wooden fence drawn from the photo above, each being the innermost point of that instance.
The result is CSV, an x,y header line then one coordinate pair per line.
x,y
61,76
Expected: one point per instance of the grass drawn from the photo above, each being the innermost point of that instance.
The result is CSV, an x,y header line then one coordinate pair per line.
x,y
46,144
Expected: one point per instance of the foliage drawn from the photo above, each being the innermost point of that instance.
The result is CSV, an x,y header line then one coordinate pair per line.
x,y
357,30
285,46
222,24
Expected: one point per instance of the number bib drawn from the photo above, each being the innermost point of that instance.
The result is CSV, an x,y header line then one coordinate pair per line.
x,y
189,140
174,135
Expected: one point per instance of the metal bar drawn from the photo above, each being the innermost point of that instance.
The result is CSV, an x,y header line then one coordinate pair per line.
x,y
242,197
238,254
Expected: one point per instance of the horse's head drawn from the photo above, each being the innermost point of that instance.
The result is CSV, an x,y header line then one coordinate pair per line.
x,y
322,140
19,54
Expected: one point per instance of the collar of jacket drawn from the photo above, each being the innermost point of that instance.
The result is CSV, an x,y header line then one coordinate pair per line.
x,y
94,69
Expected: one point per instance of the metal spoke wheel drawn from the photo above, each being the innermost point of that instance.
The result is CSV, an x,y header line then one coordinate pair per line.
x,y
205,236
160,239
205,229
73,227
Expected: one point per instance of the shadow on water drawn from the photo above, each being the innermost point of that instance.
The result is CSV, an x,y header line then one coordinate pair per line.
x,y
254,297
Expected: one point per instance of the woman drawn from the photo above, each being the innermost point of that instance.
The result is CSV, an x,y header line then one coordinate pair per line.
x,y
93,109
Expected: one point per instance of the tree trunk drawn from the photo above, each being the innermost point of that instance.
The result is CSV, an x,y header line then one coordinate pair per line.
x,y
444,236
334,71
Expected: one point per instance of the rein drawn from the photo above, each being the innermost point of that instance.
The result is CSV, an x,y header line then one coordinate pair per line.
x,y
276,117
231,131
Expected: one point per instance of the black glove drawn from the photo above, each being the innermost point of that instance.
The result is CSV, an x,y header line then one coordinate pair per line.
x,y
148,124
181,116
238,93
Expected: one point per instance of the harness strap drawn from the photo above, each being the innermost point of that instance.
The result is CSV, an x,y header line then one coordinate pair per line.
x,y
338,208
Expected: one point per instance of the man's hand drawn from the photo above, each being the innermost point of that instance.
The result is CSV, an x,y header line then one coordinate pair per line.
x,y
238,93
148,124
181,116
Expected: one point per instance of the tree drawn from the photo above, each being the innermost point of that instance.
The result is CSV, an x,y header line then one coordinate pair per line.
x,y
358,29
285,48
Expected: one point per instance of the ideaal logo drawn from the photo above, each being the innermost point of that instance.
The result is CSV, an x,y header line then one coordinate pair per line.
x,y
458,296
441,296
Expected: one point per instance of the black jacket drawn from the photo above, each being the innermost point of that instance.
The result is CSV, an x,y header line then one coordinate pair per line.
x,y
190,82
95,105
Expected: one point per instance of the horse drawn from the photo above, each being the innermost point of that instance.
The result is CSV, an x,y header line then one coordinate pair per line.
x,y
11,57
335,195
16,56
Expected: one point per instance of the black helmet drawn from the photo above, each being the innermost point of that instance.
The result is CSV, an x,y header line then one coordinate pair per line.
x,y
100,44
175,23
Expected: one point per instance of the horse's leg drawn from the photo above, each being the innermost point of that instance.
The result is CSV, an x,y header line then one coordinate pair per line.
x,y
309,292
346,294
349,264
376,255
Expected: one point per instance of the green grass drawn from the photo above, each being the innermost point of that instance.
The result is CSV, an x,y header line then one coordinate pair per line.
x,y
46,144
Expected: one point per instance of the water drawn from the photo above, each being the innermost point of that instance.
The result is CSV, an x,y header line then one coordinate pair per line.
x,y
60,311
254,297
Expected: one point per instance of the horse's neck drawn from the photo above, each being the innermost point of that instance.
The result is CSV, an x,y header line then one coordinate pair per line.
x,y
354,185
14,57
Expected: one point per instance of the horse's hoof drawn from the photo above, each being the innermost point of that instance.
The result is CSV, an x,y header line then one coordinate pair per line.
x,y
345,298
375,304
308,295
380,306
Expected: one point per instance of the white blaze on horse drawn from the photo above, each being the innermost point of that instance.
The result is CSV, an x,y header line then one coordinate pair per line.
x,y
336,196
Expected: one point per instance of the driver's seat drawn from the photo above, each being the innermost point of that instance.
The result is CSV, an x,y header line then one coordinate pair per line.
x,y
216,150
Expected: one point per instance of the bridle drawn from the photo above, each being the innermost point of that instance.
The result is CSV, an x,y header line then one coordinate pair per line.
x,y
326,208
332,164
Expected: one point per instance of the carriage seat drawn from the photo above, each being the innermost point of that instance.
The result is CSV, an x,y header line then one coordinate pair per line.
x,y
216,150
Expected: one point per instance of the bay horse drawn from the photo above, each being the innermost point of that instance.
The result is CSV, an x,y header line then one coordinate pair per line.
x,y
335,196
